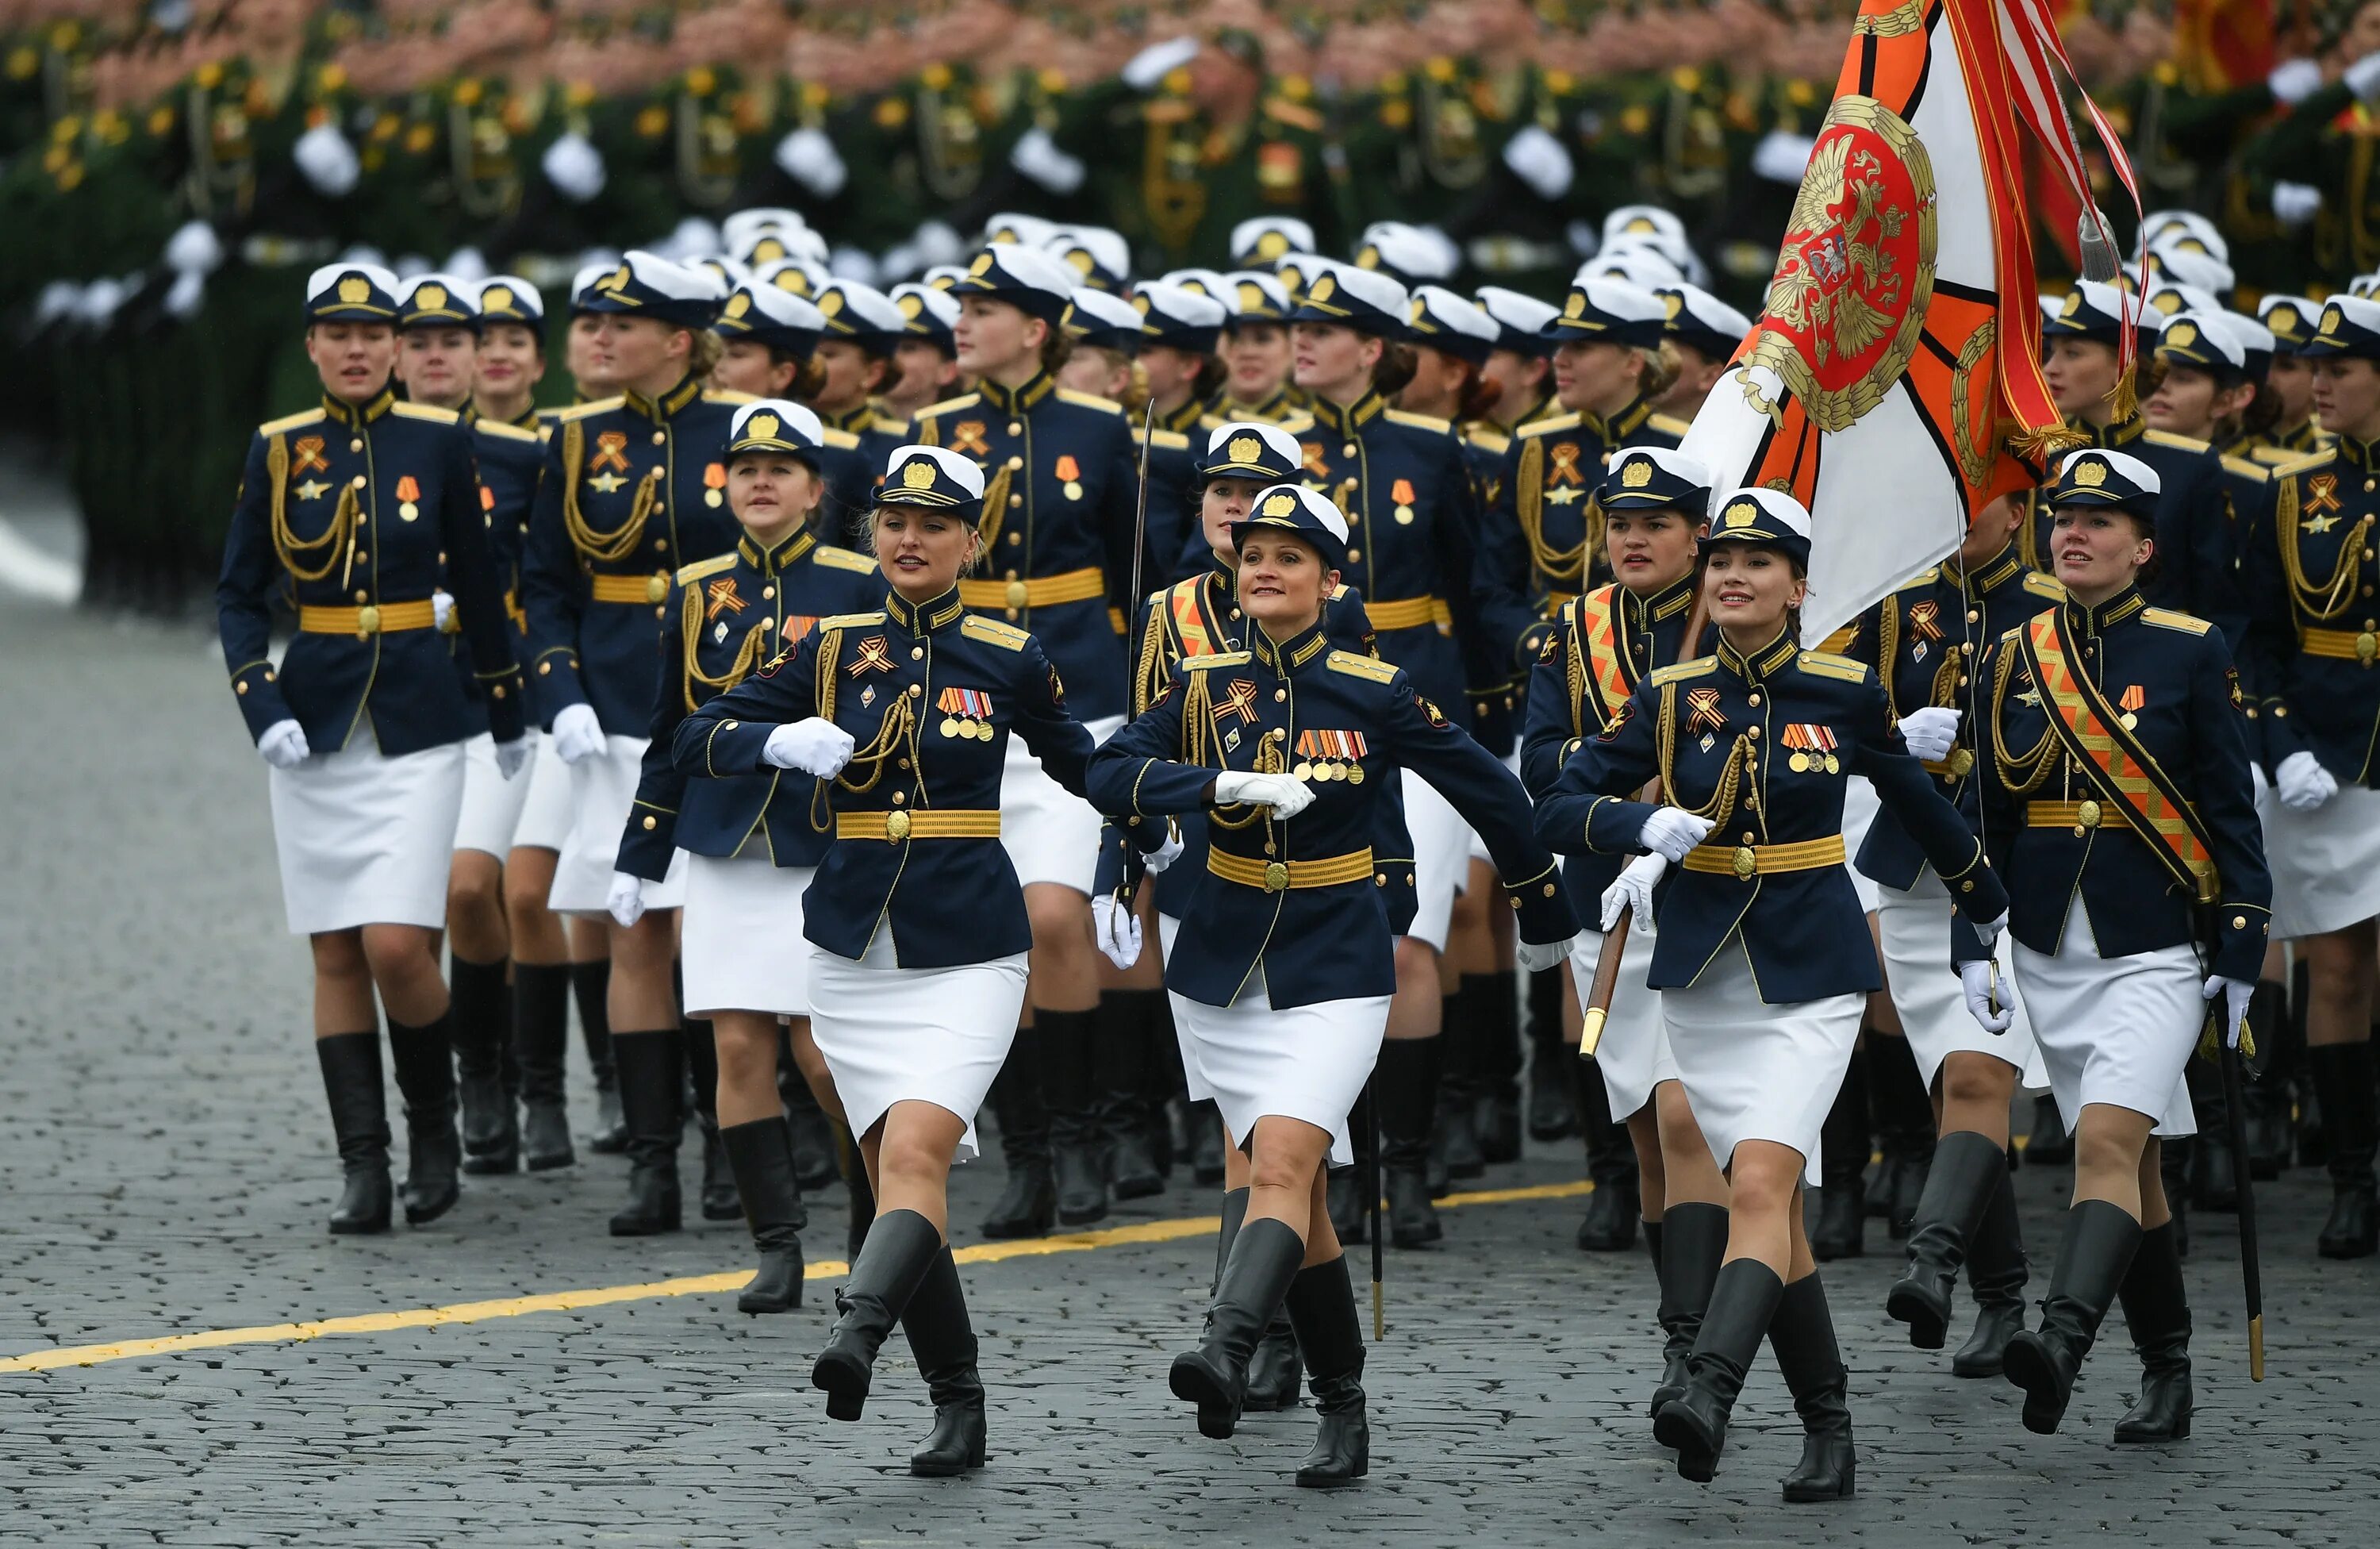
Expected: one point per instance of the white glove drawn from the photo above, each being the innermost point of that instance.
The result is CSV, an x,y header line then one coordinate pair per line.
x,y
574,167
329,163
512,757
194,248
627,899
1781,157
2306,784
442,608
1633,892
1286,795
1539,160
1164,855
1153,64
101,300
577,733
1989,930
936,243
2296,204
2236,994
1117,928
185,295
2363,78
1535,957
815,746
1038,156
1930,732
1978,977
59,299
2293,80
809,158
283,745
1672,831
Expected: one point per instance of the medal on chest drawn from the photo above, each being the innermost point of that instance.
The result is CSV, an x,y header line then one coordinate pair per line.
x,y
1813,748
966,713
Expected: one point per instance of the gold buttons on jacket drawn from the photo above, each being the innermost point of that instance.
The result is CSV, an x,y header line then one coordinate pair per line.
x,y
651,824
896,824
661,438
656,588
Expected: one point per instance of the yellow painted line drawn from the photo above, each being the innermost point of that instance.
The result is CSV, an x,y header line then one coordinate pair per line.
x,y
656,1290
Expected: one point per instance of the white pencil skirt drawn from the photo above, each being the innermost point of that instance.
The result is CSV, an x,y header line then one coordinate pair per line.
x,y
491,804
1634,1052
2118,1030
1051,834
2325,863
1306,1063
1753,1071
544,820
363,839
1860,807
1915,927
741,938
603,790
892,1034
1442,858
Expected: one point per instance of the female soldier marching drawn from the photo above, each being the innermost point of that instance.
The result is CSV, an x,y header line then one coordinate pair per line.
x,y
2117,799
1763,962
364,723
750,846
918,924
1254,739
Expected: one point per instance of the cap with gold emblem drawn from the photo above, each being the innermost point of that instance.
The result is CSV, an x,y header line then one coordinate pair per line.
x,y
1179,317
1651,227
1770,519
1101,257
647,284
1441,320
1520,320
1037,283
1701,321
2183,256
2293,319
1364,299
1268,238
437,301
352,293
757,236
1104,321
1656,479
776,425
2349,326
932,476
1604,311
1010,226
1408,254
862,314
927,312
1253,298
1307,513
2184,227
2205,340
1248,449
767,315
510,298
796,276
2098,476
2094,311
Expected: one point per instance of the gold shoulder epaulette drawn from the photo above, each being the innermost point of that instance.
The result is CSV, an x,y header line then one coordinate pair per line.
x,y
289,422
2173,619
2169,438
974,627
1679,672
2307,463
949,405
1923,577
721,395
2274,457
1825,664
1172,441
431,412
1215,659
843,441
502,431
1492,440
1369,667
1419,422
2256,473
688,574
882,426
547,414
835,558
1669,424
583,411
1089,400
1295,116
851,620
1548,425
2042,585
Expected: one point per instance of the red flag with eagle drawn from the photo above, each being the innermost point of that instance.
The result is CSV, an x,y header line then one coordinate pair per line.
x,y
1894,383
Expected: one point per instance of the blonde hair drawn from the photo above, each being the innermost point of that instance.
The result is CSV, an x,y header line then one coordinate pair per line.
x,y
1663,366
971,565
702,355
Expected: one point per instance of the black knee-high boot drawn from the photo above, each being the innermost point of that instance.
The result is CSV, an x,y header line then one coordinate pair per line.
x,y
424,1058
1693,1240
482,1013
1802,1332
902,1246
719,1198
2214,1166
1968,1170
1742,1300
1454,1130
812,1132
1322,1304
1496,1064
1163,1095
590,989
1841,1231
1552,1116
1997,1273
2268,1100
1122,1046
2342,1074
351,1080
1405,1085
857,1192
1904,1123
761,1154
2093,1258
2156,1310
1027,1205
941,1339
1215,1375
1069,1088
1274,1370
652,1085
2173,1171
1610,1224
1351,1210
541,1033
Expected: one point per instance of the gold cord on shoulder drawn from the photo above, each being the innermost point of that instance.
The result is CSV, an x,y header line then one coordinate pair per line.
x,y
296,553
748,654
622,540
2326,599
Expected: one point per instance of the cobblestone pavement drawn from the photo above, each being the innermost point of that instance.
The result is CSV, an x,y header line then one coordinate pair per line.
x,y
166,1166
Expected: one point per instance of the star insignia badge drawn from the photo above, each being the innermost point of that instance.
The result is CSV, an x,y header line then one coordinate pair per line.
x,y
312,489
607,482
1563,497
2323,523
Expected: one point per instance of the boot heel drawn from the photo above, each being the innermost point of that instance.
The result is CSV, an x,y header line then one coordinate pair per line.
x,y
843,1376
1678,1428
1928,1320
1193,1378
2030,1364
